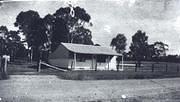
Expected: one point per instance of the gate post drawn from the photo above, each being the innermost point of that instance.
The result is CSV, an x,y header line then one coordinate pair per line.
x,y
39,67
4,62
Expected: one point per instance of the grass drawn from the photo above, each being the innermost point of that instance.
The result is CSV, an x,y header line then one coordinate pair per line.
x,y
49,88
113,75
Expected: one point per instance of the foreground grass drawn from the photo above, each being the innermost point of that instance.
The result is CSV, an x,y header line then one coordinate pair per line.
x,y
113,75
50,88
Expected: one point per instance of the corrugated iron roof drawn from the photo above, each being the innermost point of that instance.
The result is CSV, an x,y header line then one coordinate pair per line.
x,y
90,49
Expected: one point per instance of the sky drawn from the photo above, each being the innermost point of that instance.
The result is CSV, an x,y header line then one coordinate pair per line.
x,y
160,19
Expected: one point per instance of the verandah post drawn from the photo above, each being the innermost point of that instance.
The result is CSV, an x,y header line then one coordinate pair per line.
x,y
108,61
122,63
74,60
95,60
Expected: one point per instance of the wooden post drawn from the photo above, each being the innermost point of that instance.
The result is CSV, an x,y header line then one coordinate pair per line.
x,y
2,65
136,67
92,63
177,68
31,55
152,67
39,67
6,59
75,60
5,65
4,62
108,61
122,64
95,59
166,67
72,65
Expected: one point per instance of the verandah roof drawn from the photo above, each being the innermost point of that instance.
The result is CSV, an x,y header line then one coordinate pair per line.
x,y
90,49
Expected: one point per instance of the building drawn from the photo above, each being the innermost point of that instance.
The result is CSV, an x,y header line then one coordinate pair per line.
x,y
82,57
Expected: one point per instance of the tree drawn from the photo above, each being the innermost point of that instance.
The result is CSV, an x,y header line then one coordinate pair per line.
x,y
119,42
160,49
59,33
2,46
33,28
9,42
65,25
3,34
82,36
13,43
150,52
139,46
75,19
3,31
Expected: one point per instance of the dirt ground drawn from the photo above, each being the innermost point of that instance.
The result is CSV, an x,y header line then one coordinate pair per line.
x,y
50,88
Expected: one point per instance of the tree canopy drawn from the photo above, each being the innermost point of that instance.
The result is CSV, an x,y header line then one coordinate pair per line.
x,y
139,45
10,43
119,42
67,24
74,19
32,26
160,49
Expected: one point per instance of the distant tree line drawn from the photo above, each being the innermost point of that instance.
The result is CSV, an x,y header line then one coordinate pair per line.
x,y
141,50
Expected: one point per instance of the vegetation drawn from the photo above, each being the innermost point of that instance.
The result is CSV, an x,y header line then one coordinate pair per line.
x,y
160,49
45,34
139,46
68,24
119,43
141,50
10,43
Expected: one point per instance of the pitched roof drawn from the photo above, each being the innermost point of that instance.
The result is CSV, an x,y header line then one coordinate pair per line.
x,y
89,49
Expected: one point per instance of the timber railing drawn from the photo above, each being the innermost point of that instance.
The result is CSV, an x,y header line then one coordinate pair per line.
x,y
151,66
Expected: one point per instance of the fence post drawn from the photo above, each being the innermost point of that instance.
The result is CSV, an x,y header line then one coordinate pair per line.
x,y
166,67
4,62
177,68
152,67
136,68
39,67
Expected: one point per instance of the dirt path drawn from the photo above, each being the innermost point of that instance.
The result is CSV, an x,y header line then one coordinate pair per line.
x,y
49,88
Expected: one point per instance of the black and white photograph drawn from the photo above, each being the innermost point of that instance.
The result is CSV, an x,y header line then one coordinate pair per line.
x,y
89,50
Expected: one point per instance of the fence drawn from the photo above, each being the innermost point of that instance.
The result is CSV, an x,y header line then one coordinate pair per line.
x,y
152,67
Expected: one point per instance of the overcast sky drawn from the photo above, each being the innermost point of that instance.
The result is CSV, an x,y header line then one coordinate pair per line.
x,y
160,19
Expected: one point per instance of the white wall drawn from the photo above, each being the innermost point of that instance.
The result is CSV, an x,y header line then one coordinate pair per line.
x,y
87,65
112,64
